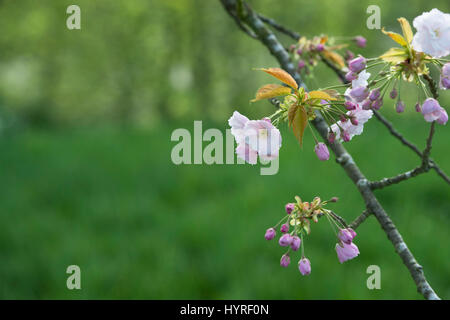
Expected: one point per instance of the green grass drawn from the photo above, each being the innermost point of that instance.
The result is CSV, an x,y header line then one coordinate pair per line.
x,y
141,227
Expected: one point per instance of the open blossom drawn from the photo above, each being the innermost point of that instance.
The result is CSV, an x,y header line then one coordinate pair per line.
x,y
346,251
445,77
304,266
432,111
349,129
361,80
433,33
255,138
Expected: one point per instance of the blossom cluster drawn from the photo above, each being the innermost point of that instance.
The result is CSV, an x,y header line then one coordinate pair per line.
x,y
299,217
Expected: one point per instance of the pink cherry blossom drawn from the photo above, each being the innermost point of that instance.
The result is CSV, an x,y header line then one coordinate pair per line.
x,y
361,115
432,111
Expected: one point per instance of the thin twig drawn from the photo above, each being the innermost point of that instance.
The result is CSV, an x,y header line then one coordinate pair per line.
x,y
342,156
360,219
294,35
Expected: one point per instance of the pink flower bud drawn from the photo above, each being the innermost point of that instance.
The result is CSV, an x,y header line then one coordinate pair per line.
x,y
299,52
360,41
346,235
350,105
349,55
343,118
374,94
377,104
354,121
270,234
367,104
295,243
320,47
443,117
322,151
304,266
331,137
285,260
289,208
346,251
359,93
357,64
432,111
417,107
334,199
350,76
301,64
284,228
400,106
445,83
285,240
393,93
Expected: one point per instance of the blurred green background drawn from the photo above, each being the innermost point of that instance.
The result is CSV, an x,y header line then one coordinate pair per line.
x,y
85,123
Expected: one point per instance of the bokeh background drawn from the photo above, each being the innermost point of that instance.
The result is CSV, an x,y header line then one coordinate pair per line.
x,y
86,175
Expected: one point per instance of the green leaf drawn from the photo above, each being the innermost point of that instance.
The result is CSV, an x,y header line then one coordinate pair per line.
x,y
298,120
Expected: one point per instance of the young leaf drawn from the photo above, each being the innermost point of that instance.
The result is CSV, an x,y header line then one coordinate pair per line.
x,y
281,75
334,57
406,28
298,120
396,37
320,95
271,91
395,55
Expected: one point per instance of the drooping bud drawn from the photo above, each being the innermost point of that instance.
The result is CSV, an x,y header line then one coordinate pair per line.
x,y
367,104
374,94
270,234
360,41
299,52
354,121
393,93
346,235
377,104
357,64
400,106
322,151
349,55
334,199
359,93
350,76
289,208
345,136
417,107
331,137
284,228
295,243
320,47
285,240
301,64
304,266
350,105
285,260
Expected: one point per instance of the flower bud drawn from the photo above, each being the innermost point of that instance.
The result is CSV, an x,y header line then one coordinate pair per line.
x,y
270,234
304,266
284,228
320,47
350,76
357,64
445,83
285,260
349,55
343,118
299,52
443,117
359,93
400,106
354,121
285,240
374,94
322,151
349,105
289,208
393,93
417,107
346,236
360,41
377,104
331,137
334,199
367,104
295,243
301,64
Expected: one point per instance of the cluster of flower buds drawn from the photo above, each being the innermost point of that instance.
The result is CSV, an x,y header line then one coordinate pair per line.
x,y
308,51
297,224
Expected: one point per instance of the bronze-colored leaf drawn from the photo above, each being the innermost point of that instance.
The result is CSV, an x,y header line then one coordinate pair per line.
x,y
271,91
320,95
334,57
298,120
396,37
281,75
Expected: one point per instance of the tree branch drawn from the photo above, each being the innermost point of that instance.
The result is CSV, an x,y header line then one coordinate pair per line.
x,y
342,156
360,219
